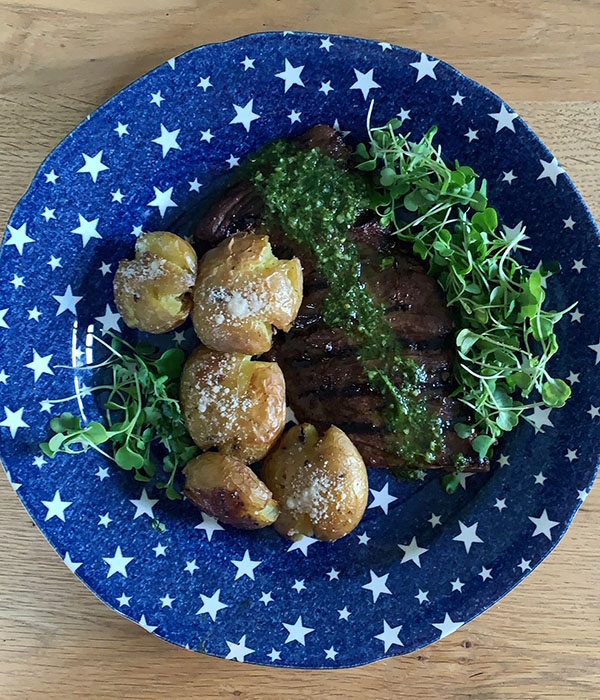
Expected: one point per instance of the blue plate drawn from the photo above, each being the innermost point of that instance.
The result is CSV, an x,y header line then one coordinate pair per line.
x,y
421,563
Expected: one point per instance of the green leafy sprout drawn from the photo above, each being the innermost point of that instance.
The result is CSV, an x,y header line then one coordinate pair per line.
x,y
506,337
141,411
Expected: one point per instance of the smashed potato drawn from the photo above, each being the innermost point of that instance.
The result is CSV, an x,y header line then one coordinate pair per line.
x,y
234,403
320,483
242,291
230,491
153,292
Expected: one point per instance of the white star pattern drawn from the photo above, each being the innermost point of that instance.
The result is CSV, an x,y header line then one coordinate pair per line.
x,y
333,575
117,196
326,44
525,565
156,98
245,566
167,140
211,605
18,237
123,600
247,63
294,116
67,301
326,87
425,67
434,520
539,478
364,82
142,623
48,214
344,613
51,177
194,185
302,544
500,504
266,598
485,574
204,83
571,455
13,420
412,552
594,411
330,653
540,419
209,525
190,567
382,498
422,597
117,564
297,632
596,349
206,136
239,651
578,265
109,320
457,98
291,75
543,525
144,505
377,585
86,229
299,585
576,316
160,550
389,636
232,161
162,200
121,129
39,365
104,520
472,135
54,262
447,626
244,115
93,166
468,535
504,119
71,565
551,170
508,176
457,585
56,507
364,538
167,601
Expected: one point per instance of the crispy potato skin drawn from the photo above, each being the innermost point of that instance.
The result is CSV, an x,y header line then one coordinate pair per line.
x,y
230,491
242,290
153,291
320,483
234,403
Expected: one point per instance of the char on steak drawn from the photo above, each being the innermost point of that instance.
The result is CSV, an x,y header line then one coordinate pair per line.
x,y
324,379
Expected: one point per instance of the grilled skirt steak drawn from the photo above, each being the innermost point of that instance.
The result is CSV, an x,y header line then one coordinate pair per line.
x,y
325,380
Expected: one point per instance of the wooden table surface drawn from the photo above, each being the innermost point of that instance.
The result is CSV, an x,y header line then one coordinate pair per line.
x,y
59,59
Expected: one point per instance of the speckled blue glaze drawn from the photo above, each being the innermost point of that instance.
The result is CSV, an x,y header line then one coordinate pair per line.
x,y
421,562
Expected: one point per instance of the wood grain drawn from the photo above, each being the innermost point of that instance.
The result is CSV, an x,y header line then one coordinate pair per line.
x,y
59,59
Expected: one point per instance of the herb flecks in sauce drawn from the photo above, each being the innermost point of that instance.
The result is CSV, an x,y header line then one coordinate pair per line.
x,y
315,202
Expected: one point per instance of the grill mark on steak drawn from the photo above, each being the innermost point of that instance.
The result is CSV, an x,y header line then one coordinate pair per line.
x,y
324,378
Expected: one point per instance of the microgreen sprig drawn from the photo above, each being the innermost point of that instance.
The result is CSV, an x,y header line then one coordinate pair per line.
x,y
506,336
141,411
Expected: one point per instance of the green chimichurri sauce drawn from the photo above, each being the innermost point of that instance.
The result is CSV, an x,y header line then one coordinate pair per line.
x,y
314,201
